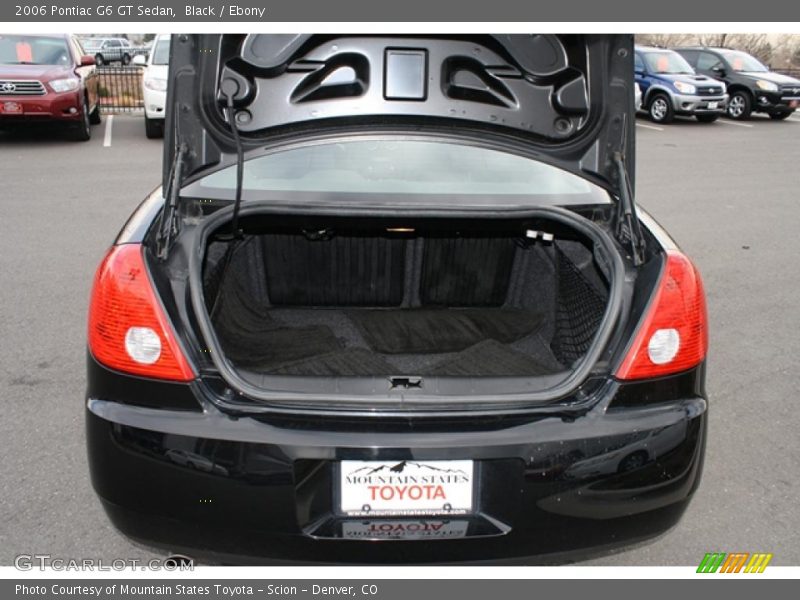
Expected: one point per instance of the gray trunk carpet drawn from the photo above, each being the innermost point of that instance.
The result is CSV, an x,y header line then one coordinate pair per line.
x,y
434,331
489,358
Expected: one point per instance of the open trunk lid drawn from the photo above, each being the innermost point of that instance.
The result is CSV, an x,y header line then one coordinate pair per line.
x,y
568,97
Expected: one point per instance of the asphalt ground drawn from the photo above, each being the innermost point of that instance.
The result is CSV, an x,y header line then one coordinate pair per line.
x,y
729,193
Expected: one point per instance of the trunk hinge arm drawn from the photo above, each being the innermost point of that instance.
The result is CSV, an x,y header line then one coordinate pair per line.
x,y
628,228
167,226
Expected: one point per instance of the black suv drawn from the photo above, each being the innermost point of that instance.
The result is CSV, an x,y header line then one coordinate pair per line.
x,y
751,85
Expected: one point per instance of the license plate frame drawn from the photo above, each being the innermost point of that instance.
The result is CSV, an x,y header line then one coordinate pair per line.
x,y
10,107
383,489
713,105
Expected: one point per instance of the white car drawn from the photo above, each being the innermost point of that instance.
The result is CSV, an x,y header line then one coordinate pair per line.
x,y
154,86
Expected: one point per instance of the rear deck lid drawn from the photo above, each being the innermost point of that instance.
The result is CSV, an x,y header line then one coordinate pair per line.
x,y
567,98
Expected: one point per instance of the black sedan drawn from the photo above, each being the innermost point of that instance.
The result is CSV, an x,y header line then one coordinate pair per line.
x,y
396,289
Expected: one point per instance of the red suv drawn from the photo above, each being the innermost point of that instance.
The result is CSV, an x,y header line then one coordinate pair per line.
x,y
48,78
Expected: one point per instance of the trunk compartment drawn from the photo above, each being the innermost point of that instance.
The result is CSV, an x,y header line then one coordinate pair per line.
x,y
404,299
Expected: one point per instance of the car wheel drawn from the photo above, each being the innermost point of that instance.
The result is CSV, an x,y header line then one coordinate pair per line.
x,y
660,109
707,118
99,60
83,130
94,116
740,106
779,116
126,59
632,461
153,128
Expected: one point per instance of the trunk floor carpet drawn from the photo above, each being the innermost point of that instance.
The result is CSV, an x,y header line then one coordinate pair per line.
x,y
489,358
332,342
434,331
351,362
265,348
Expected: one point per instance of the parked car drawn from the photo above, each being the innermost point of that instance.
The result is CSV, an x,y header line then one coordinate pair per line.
x,y
48,78
671,87
154,86
108,50
752,86
391,278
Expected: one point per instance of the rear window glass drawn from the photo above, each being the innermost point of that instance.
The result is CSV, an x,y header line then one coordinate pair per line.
x,y
400,167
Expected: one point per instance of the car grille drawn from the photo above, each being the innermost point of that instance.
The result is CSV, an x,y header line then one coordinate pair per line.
x,y
709,91
21,88
791,91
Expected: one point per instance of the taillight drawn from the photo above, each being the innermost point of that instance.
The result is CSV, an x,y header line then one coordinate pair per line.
x,y
128,330
673,336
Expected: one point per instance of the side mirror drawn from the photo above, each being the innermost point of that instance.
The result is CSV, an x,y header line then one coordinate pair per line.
x,y
139,60
719,71
87,61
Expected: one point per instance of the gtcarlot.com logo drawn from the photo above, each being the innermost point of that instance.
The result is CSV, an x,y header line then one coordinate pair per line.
x,y
737,562
28,562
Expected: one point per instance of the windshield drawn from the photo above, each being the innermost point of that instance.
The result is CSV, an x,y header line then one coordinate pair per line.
x,y
33,50
670,63
383,166
161,52
742,62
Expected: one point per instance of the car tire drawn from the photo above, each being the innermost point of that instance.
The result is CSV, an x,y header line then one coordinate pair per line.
x,y
94,116
99,60
740,106
126,59
660,109
707,118
82,131
780,116
153,128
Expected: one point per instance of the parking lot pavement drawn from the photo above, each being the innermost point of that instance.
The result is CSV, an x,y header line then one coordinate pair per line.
x,y
729,194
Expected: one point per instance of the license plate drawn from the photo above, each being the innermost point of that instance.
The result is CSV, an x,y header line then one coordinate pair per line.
x,y
391,488
11,108
405,530
712,105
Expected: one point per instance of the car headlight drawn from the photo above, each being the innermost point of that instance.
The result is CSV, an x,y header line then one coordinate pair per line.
x,y
767,85
155,84
65,85
684,88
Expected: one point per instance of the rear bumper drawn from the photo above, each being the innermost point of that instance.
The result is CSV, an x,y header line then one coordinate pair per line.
x,y
50,107
687,104
550,489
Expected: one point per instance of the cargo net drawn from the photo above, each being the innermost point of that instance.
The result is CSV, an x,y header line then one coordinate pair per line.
x,y
579,310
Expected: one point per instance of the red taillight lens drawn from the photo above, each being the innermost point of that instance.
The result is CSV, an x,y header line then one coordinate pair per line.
x,y
128,330
673,335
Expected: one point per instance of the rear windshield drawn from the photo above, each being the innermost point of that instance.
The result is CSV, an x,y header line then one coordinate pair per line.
x,y
410,167
667,62
161,52
740,61
33,50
